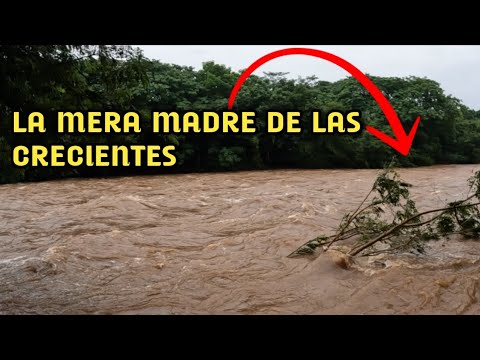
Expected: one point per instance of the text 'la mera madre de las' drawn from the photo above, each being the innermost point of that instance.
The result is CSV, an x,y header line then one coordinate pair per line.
x,y
74,123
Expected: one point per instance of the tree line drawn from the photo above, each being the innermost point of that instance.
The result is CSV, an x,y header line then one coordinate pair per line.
x,y
51,78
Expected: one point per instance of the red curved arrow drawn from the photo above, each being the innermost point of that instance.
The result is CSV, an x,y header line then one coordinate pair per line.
x,y
402,143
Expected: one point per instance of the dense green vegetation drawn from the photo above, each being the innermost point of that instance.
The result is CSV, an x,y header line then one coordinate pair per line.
x,y
83,78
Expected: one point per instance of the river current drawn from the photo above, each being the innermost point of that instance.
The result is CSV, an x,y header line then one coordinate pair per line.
x,y
217,244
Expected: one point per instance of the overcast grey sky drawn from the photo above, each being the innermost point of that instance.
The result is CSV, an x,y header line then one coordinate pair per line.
x,y
456,68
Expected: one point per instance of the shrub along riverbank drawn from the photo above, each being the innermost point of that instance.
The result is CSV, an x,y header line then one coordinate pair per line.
x,y
119,78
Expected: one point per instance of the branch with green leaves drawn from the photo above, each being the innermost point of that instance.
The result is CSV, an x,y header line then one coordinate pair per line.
x,y
387,220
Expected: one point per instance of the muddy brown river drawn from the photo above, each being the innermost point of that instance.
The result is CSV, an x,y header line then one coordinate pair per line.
x,y
217,244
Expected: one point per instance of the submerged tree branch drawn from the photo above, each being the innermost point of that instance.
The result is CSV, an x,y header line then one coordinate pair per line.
x,y
387,214
392,230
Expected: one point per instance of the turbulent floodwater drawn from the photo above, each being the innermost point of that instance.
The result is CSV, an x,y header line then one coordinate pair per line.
x,y
217,244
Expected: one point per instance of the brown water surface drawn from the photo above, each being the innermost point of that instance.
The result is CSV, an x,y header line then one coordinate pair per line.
x,y
217,243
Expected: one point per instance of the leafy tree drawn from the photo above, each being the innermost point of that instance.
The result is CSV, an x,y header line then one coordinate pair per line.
x,y
49,78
